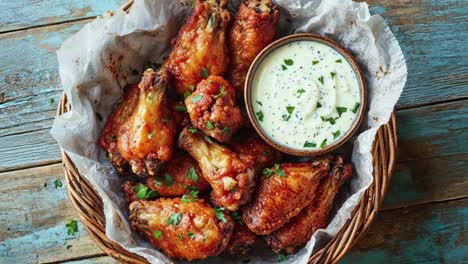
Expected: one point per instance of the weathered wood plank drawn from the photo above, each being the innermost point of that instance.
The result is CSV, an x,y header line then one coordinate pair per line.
x,y
25,14
33,218
433,233
98,260
432,36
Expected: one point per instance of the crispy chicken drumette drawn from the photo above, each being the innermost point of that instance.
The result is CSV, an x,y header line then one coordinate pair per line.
x,y
241,241
316,215
200,48
212,108
282,192
254,27
186,231
231,178
146,137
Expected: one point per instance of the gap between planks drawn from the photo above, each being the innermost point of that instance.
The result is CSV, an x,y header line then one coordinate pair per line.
x,y
47,25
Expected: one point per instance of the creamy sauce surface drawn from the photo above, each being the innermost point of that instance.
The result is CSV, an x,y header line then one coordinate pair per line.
x,y
305,95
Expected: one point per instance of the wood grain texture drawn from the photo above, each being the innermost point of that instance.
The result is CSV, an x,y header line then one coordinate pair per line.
x,y
25,14
432,35
33,218
97,260
433,233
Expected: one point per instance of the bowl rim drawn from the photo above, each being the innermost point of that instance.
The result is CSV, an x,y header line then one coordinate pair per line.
x,y
341,50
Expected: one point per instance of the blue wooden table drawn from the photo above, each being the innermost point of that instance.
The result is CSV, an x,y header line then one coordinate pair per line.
x,y
425,214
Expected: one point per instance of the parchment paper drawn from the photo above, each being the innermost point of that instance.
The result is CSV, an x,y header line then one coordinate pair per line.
x,y
113,50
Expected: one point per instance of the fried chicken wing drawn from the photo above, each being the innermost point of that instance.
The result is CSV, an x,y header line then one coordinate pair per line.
x,y
232,179
179,112
200,48
146,137
135,191
179,176
282,193
108,140
186,231
254,27
212,108
316,215
241,241
251,148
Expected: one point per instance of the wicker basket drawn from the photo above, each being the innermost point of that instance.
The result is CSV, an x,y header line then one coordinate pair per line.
x,y
90,208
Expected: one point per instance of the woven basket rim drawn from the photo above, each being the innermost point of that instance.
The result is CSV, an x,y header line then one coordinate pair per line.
x,y
89,205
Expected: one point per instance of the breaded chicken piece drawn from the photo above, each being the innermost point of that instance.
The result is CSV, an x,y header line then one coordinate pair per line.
x,y
146,137
108,140
186,231
232,179
241,241
181,175
253,28
200,47
316,215
212,108
282,192
179,112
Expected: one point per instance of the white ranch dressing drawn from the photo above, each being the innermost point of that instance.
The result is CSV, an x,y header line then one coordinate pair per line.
x,y
305,95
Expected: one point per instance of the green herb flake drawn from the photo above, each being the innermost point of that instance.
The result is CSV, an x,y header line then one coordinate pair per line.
x,y
197,98
321,79
166,120
260,103
308,144
99,116
267,172
191,87
209,125
143,193
332,74
51,100
237,217
266,154
57,184
284,67
149,97
204,73
324,143
226,130
208,139
191,196
157,234
279,171
315,62
193,3
300,92
222,92
282,258
220,214
168,180
181,108
319,105
174,219
338,61
69,246
190,234
72,227
212,21
192,174
192,130
341,110
157,181
180,236
330,119
356,107
290,109
336,134
288,62
306,213
259,115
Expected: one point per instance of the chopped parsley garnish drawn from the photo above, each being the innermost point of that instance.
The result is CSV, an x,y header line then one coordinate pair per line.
x,y
191,196
197,98
192,174
356,107
204,73
174,219
208,139
282,258
315,62
226,130
258,102
284,67
308,144
237,217
279,171
191,87
190,234
288,62
180,236
143,193
222,92
321,79
336,134
99,116
266,154
181,108
300,92
157,181
192,130
290,110
330,119
267,172
338,61
319,105
187,94
51,100
259,115
69,246
149,97
212,20
324,143
157,234
209,125
72,227
57,184
168,179
341,110
332,74
150,135
220,214
193,3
